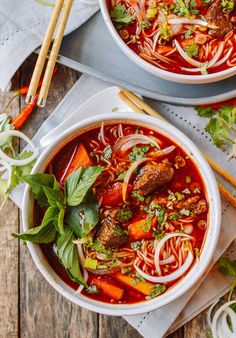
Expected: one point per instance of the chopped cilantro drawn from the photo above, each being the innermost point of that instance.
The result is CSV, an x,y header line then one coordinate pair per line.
x,y
107,152
146,225
145,24
196,191
124,214
127,270
137,196
114,109
179,196
171,196
186,191
165,31
204,68
181,8
156,290
174,217
119,14
136,245
121,176
221,123
161,216
185,212
192,50
138,153
227,6
91,154
189,32
92,289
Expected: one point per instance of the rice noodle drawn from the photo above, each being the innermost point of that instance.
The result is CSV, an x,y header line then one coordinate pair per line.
x,y
197,22
186,57
160,244
170,277
101,134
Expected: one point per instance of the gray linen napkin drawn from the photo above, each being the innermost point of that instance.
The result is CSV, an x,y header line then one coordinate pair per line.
x,y
155,324
22,27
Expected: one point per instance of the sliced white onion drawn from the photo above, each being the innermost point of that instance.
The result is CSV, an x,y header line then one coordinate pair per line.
x,y
120,131
85,277
81,254
160,244
213,62
164,151
210,311
169,260
155,39
217,55
102,136
198,22
6,167
16,133
225,58
186,57
218,322
129,173
225,326
137,139
172,276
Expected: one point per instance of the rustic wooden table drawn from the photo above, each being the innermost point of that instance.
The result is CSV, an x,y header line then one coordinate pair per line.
x,y
29,306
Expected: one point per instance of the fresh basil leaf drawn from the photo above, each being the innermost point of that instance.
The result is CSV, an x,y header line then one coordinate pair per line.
x,y
84,217
44,233
37,183
67,253
60,223
79,182
55,197
227,267
8,145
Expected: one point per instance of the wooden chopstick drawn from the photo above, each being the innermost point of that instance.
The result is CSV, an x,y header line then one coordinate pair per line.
x,y
43,52
53,55
139,106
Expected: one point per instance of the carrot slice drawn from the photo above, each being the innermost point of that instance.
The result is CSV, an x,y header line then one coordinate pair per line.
x,y
144,287
80,158
110,290
140,230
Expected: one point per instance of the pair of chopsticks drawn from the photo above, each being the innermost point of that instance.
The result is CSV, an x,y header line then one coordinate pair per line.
x,y
139,106
53,55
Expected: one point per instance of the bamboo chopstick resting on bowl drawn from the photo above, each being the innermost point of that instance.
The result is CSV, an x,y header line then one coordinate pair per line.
x,y
53,54
139,106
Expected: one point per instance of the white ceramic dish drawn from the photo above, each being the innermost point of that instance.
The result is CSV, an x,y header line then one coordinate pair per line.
x,y
174,77
211,191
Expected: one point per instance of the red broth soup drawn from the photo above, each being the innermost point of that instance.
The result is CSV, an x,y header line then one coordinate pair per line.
x,y
133,229
191,37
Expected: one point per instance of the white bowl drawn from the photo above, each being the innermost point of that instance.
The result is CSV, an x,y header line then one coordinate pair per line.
x,y
211,236
174,77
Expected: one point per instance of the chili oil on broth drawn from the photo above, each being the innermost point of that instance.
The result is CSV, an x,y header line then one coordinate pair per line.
x,y
156,215
179,36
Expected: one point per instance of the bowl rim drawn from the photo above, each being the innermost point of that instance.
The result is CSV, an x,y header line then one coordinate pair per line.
x,y
174,77
199,267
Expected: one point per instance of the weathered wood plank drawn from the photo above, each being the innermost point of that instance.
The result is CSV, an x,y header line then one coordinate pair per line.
x,y
116,327
9,247
43,312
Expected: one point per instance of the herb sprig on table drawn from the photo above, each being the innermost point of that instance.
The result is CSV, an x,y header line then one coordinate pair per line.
x,y
222,123
70,213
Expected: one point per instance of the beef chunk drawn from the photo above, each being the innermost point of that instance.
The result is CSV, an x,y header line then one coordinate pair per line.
x,y
111,235
200,207
216,17
153,175
187,203
121,215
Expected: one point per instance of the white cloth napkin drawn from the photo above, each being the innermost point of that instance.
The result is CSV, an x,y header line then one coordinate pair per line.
x,y
156,323
22,27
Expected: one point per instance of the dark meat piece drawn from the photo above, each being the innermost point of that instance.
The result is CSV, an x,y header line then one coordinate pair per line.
x,y
153,176
216,17
200,207
121,215
111,235
187,203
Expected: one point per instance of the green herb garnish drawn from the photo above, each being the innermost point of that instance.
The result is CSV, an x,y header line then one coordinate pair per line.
x,y
119,14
